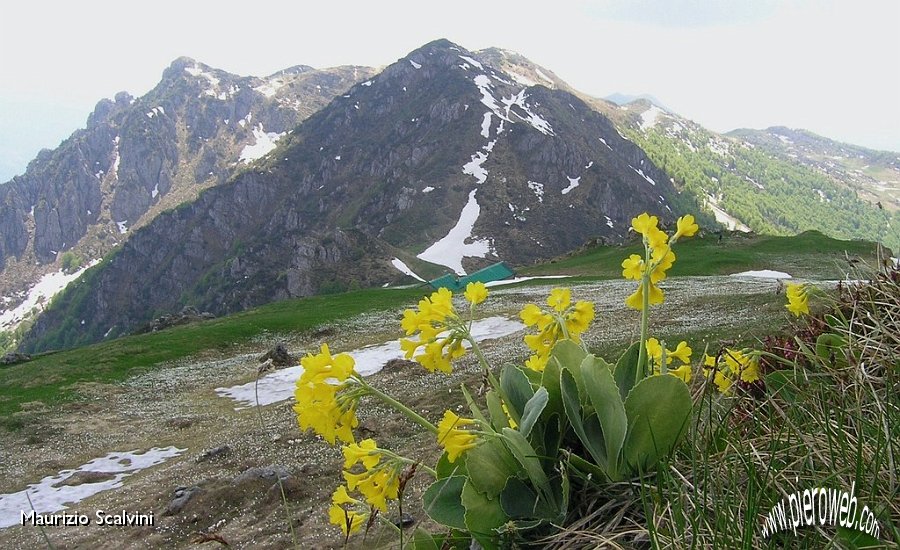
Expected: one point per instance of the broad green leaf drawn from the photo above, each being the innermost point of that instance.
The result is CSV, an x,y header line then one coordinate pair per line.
x,y
499,420
517,389
445,468
423,540
626,369
568,353
533,410
519,501
443,502
483,515
658,411
604,396
489,465
550,380
527,458
552,435
574,412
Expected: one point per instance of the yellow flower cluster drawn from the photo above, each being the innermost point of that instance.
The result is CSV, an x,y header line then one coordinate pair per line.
x,y
564,320
454,440
798,299
350,521
319,404
658,259
380,481
730,366
440,330
682,352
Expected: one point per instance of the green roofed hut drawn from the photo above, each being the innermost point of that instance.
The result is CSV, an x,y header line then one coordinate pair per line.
x,y
496,272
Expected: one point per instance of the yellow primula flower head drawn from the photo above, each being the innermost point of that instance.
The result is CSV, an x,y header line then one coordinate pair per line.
x,y
562,320
321,404
687,227
441,331
732,366
453,439
476,293
798,299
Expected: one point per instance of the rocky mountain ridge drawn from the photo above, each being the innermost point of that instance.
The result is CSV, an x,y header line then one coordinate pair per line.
x,y
137,157
441,158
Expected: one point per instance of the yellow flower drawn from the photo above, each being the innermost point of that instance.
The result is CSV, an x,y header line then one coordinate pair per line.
x,y
654,349
366,452
580,318
537,363
686,227
340,496
563,320
476,293
349,520
633,267
319,405
559,299
636,300
533,315
682,352
683,372
378,486
644,223
723,382
454,440
664,261
798,299
440,329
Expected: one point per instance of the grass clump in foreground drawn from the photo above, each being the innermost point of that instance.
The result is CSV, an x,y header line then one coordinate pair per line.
x,y
50,377
825,414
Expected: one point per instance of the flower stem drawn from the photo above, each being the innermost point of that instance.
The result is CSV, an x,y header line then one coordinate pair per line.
x,y
645,316
400,407
495,384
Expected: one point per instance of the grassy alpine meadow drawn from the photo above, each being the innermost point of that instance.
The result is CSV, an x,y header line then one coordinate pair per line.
x,y
53,377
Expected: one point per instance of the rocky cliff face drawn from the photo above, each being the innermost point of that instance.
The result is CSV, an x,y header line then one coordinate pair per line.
x,y
140,156
442,159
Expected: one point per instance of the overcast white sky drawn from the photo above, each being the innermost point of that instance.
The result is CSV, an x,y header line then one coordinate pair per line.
x,y
828,66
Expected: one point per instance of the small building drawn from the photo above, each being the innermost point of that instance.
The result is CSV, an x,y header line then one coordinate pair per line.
x,y
496,272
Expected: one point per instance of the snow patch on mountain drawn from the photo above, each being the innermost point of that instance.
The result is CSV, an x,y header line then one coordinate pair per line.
x,y
538,189
521,79
650,117
39,296
403,268
640,172
451,250
414,64
573,183
271,86
263,143
486,125
730,222
474,167
472,61
538,123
